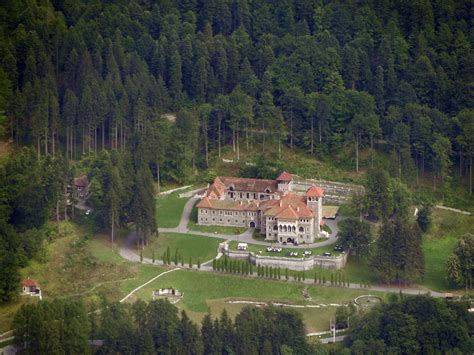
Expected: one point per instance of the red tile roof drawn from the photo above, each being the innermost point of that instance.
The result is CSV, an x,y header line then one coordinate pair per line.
x,y
29,283
204,203
288,213
314,191
297,202
250,185
285,176
81,181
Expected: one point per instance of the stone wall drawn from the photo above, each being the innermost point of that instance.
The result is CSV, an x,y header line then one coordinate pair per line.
x,y
298,264
334,192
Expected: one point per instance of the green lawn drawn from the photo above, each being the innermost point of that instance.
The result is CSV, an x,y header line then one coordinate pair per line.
x,y
438,245
261,248
169,209
188,245
205,292
356,271
192,225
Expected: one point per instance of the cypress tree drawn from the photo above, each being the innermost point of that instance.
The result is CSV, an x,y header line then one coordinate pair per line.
x,y
190,262
153,256
214,264
199,264
287,276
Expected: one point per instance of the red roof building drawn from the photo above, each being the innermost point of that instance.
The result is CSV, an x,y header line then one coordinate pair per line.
x,y
315,191
285,177
30,287
268,205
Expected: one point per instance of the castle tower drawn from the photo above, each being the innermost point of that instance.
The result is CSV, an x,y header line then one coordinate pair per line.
x,y
314,200
285,181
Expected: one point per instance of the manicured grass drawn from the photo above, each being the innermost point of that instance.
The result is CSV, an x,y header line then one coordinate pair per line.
x,y
192,225
188,245
261,250
208,291
169,209
356,271
144,274
438,245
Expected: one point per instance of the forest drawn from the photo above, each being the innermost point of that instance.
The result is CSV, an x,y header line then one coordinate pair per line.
x,y
412,324
320,76
140,93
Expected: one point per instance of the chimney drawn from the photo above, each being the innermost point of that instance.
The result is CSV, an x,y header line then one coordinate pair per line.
x,y
297,208
281,203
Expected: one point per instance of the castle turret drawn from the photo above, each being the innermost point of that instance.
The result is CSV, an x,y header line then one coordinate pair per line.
x,y
314,200
285,181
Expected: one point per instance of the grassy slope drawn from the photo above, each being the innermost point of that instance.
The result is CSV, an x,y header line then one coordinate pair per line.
x,y
439,243
169,209
188,245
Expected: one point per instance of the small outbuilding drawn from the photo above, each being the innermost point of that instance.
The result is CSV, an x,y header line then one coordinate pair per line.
x,y
82,185
30,287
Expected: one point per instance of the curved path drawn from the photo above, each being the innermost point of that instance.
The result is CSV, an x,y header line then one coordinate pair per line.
x,y
247,236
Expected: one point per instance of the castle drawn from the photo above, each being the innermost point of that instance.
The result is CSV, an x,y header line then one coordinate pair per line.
x,y
270,206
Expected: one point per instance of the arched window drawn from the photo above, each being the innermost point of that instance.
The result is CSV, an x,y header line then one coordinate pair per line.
x,y
275,227
267,191
301,229
285,229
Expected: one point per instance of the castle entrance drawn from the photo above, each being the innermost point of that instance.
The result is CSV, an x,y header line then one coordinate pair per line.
x,y
252,224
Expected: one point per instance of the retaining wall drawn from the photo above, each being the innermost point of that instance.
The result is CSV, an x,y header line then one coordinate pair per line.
x,y
334,192
298,264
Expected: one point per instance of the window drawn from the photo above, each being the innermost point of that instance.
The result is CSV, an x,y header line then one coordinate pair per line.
x,y
248,195
275,227
301,229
